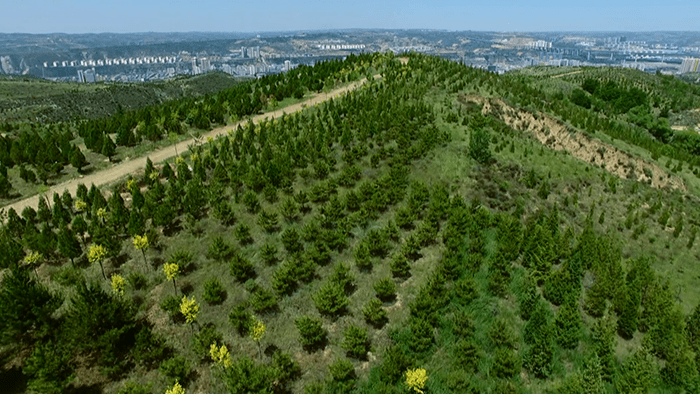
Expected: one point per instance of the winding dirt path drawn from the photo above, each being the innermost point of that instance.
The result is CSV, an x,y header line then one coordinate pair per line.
x,y
120,170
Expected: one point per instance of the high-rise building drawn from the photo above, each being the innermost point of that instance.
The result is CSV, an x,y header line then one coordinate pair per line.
x,y
243,52
690,65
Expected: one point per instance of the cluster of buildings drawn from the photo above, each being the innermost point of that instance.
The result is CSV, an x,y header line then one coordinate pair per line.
x,y
337,47
539,44
112,62
690,65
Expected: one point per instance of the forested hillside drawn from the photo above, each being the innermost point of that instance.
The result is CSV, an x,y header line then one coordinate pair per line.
x,y
420,234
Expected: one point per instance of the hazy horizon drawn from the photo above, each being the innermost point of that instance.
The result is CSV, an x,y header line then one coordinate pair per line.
x,y
160,16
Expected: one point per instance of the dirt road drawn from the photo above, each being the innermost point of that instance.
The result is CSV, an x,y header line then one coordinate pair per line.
x,y
124,168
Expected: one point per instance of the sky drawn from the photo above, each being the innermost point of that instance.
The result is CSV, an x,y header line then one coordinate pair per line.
x,y
124,16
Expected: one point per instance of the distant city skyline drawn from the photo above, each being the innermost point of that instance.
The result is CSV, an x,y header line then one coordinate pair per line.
x,y
123,16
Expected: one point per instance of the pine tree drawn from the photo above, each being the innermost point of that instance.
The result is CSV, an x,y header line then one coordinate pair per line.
x,y
499,275
604,342
592,375
568,324
68,244
637,373
529,298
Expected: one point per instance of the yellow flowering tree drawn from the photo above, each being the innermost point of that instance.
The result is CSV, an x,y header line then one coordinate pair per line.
x,y
80,205
189,309
221,355
118,284
141,243
96,254
172,270
176,389
32,260
256,332
102,214
131,184
416,378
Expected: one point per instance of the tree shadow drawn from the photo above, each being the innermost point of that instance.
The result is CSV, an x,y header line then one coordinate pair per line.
x,y
91,389
13,381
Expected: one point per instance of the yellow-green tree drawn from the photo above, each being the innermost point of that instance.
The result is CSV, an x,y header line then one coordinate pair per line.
x,y
80,205
96,254
102,214
416,378
172,270
176,389
118,284
189,309
256,332
141,243
32,260
221,355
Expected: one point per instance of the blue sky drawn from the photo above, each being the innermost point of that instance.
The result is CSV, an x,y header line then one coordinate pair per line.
x,y
121,16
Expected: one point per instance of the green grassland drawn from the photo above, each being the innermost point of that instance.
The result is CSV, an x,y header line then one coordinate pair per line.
x,y
515,268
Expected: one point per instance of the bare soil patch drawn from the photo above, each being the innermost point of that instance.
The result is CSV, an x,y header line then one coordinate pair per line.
x,y
556,135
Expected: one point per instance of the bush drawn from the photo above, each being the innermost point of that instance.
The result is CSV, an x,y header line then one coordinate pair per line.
x,y
219,249
343,376
467,355
242,234
137,280
268,254
241,319
214,292
176,369
241,268
356,342
171,305
374,313
202,341
505,363
263,300
330,299
386,289
149,348
135,388
466,290
311,331
285,367
400,267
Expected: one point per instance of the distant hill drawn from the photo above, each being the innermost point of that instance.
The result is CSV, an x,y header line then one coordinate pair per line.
x,y
33,99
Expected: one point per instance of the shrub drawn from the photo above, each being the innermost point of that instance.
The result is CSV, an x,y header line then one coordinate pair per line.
x,y
214,292
241,319
219,249
171,305
467,355
311,331
242,234
202,341
374,313
149,348
241,268
184,258
356,342
137,280
505,363
135,388
268,254
400,267
385,289
343,376
466,290
263,300
330,299
176,369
